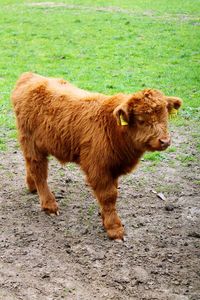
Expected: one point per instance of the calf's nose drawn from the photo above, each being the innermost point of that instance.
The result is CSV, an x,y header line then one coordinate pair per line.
x,y
165,142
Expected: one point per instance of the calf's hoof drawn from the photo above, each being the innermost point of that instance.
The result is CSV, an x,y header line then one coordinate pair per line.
x,y
50,208
31,185
116,233
32,190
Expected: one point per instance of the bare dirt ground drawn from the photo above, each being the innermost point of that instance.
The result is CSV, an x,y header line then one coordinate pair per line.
x,y
70,256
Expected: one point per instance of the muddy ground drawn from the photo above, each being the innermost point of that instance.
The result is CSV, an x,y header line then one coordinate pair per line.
x,y
70,256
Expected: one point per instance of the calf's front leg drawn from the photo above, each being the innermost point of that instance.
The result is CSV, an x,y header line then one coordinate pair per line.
x,y
107,197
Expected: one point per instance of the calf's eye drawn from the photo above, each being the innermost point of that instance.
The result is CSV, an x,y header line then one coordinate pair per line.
x,y
141,122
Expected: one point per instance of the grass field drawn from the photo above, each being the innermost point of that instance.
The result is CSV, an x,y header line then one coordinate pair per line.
x,y
106,46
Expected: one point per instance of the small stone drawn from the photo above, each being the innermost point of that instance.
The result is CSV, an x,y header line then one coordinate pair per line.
x,y
140,274
122,279
99,255
45,275
68,180
194,234
153,191
85,231
69,251
169,207
59,196
161,196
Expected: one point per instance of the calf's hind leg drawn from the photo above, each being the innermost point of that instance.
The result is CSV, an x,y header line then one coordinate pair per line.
x,y
37,172
29,178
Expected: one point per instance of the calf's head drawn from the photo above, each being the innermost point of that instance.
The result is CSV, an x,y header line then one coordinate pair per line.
x,y
144,117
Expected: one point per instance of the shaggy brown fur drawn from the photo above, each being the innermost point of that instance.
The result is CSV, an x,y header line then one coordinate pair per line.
x,y
56,118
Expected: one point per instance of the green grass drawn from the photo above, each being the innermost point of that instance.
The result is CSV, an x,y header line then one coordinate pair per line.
x,y
91,209
197,182
186,159
123,46
154,156
2,145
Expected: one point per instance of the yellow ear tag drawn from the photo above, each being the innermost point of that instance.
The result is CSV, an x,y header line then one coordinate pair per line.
x,y
122,121
173,113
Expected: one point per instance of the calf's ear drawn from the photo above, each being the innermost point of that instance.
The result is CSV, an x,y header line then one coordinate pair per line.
x,y
121,114
173,103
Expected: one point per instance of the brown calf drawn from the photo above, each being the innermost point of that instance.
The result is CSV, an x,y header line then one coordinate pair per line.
x,y
105,135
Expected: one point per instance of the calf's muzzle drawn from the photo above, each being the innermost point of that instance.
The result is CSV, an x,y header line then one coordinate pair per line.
x,y
165,142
